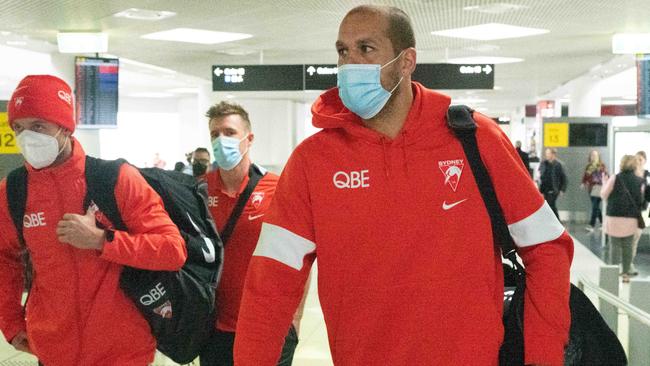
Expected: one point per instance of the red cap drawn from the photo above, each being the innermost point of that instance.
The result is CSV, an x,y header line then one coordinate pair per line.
x,y
45,97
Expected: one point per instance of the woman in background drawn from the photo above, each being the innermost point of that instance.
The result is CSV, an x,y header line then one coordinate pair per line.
x,y
592,181
624,195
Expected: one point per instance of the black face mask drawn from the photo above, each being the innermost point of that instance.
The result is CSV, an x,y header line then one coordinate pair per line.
x,y
199,169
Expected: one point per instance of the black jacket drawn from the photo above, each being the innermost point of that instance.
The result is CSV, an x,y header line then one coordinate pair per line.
x,y
552,177
626,199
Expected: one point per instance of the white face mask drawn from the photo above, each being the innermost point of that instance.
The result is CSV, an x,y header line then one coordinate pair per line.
x,y
40,150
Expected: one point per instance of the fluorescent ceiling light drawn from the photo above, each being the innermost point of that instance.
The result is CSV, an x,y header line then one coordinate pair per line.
x,y
484,60
144,14
130,62
151,95
4,33
467,101
191,35
618,102
490,31
82,42
184,90
498,8
623,43
16,43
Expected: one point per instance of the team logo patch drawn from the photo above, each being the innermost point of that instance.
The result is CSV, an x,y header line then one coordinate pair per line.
x,y
452,169
18,102
257,198
164,310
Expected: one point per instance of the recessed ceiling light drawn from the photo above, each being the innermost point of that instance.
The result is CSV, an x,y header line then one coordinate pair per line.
x,y
150,67
483,48
497,8
497,88
200,36
484,60
16,43
633,43
230,96
490,31
82,42
4,33
144,14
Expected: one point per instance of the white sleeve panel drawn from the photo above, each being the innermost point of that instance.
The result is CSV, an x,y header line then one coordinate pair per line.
x,y
282,245
540,227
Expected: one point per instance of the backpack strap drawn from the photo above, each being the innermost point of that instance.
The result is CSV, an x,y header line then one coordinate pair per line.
x,y
255,174
17,199
460,120
101,179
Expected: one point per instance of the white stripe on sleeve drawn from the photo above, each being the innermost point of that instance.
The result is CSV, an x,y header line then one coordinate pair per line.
x,y
540,227
282,245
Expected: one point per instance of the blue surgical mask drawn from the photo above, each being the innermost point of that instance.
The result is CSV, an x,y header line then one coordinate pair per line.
x,y
360,88
226,151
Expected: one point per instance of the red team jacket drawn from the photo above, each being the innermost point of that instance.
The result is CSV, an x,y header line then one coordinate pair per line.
x,y
240,246
408,273
76,313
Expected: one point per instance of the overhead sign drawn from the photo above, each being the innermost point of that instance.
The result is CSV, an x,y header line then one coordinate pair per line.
x,y
454,76
257,77
556,134
8,143
323,77
320,77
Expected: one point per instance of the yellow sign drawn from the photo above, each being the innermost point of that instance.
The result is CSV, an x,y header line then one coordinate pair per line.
x,y
556,134
8,143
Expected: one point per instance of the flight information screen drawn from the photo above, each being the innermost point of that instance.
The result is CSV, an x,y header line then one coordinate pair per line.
x,y
96,91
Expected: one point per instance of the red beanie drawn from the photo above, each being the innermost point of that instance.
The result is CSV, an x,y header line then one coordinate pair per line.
x,y
45,97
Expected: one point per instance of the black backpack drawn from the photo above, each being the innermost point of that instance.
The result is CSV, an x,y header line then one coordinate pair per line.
x,y
591,341
179,306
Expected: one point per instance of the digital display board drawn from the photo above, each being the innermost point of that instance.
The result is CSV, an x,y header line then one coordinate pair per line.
x,y
588,134
96,91
324,76
257,77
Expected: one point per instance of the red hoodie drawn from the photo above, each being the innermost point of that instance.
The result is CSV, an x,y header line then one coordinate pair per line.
x,y
76,313
407,271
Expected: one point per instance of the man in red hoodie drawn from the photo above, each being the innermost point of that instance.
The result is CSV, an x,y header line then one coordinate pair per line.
x,y
76,313
383,196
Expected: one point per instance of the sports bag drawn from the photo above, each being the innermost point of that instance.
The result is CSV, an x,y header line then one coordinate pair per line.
x,y
591,341
178,305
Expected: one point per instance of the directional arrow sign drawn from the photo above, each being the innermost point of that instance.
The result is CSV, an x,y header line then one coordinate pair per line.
x,y
218,71
487,69
311,70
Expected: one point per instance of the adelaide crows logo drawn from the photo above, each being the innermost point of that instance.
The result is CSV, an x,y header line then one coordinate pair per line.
x,y
452,169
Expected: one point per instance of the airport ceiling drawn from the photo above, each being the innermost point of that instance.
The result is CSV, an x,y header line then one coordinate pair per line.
x,y
304,31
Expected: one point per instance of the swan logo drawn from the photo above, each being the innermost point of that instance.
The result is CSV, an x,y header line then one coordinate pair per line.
x,y
452,169
257,198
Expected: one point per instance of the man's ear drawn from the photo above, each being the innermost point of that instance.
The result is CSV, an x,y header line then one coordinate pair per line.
x,y
410,60
251,137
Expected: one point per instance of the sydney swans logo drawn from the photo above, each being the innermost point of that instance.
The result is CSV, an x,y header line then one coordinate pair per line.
x,y
452,169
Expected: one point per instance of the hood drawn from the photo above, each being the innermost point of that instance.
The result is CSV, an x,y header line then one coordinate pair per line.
x,y
428,107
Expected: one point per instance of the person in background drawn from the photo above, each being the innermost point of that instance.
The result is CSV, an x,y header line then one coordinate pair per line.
x,y
200,162
645,175
384,198
179,166
524,157
592,180
76,313
624,195
553,180
232,138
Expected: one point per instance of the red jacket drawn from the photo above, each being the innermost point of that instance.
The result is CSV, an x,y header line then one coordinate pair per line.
x,y
76,313
240,246
407,271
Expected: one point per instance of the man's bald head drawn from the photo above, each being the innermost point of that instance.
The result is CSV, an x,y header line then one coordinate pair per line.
x,y
399,29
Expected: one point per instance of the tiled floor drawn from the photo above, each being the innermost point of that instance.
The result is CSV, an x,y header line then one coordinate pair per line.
x,y
313,349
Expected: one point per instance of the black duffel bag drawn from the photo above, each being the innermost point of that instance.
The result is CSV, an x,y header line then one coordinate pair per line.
x,y
591,341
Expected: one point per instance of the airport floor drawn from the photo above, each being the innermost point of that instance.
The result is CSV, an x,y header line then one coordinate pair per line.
x,y
313,349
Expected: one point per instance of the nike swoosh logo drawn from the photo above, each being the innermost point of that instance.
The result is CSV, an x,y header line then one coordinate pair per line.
x,y
251,217
446,206
210,254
